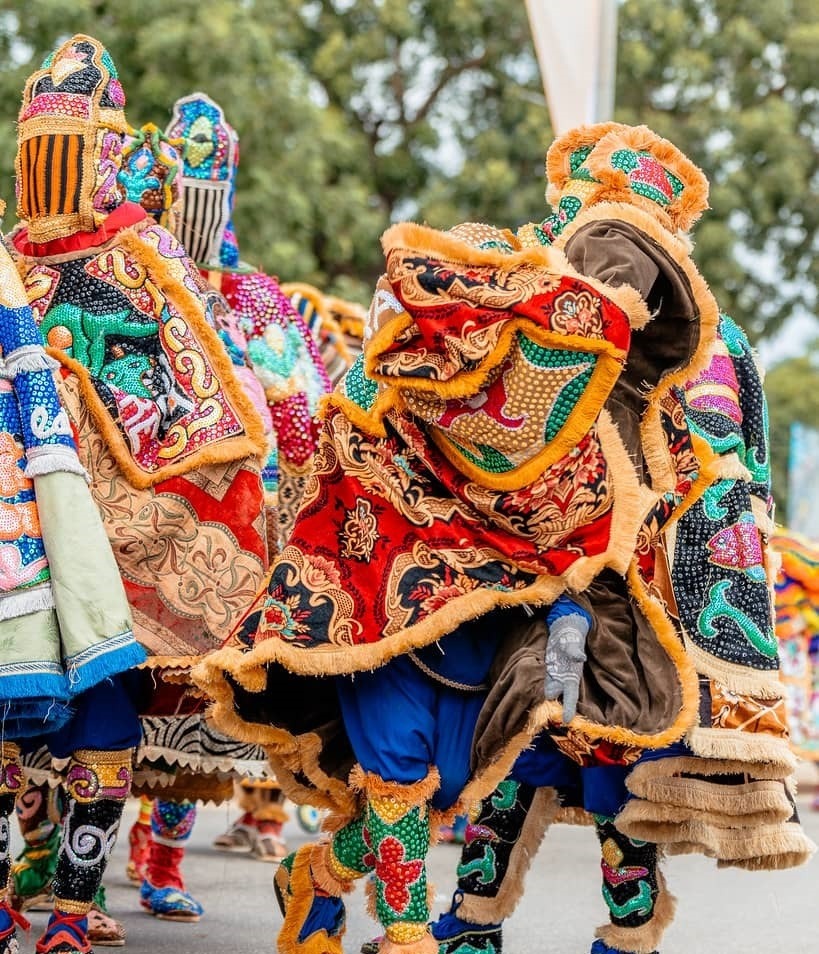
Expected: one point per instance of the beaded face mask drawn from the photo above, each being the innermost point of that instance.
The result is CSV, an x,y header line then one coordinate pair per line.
x,y
70,141
210,156
151,174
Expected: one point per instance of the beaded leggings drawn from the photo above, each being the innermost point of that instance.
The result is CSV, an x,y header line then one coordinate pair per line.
x,y
630,875
11,783
171,827
96,786
391,840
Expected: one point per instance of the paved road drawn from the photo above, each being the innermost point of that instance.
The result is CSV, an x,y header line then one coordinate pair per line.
x,y
719,912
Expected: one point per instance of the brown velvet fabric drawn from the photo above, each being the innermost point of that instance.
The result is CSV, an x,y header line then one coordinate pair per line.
x,y
628,680
618,253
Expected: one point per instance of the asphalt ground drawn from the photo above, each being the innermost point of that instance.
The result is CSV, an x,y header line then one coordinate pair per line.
x,y
719,911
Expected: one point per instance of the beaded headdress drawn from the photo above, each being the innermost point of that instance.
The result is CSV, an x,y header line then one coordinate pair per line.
x,y
611,162
69,141
210,155
151,174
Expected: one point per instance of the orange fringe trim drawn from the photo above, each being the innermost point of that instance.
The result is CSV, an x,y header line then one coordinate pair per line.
x,y
415,794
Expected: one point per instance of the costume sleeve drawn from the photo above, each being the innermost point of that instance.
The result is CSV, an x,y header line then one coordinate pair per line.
x,y
565,606
619,253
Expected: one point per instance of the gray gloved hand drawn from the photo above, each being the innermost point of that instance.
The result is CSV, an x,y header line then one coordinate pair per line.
x,y
565,657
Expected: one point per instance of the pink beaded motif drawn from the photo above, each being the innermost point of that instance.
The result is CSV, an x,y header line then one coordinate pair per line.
x,y
58,104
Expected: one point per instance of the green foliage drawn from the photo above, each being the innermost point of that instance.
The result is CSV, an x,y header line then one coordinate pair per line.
x,y
734,85
353,113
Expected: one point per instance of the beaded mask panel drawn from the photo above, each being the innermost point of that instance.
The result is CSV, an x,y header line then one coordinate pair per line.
x,y
210,156
151,174
70,141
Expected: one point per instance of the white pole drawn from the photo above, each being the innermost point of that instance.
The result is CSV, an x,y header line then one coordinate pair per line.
x,y
576,46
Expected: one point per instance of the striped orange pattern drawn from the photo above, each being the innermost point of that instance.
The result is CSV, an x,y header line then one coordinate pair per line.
x,y
50,175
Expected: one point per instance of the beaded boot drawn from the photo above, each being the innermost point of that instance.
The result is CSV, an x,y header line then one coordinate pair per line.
x,y
38,811
398,832
11,783
640,906
96,786
163,891
308,890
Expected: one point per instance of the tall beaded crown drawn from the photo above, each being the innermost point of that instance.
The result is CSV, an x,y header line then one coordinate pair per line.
x,y
210,155
612,162
69,139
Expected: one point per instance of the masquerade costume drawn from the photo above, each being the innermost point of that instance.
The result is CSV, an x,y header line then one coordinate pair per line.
x,y
744,819
152,176
491,378
281,350
172,442
337,326
66,631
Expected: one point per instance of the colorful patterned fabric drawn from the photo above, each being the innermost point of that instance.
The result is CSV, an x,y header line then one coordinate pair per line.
x,y
610,162
151,174
395,544
209,181
281,350
724,600
417,525
70,139
130,323
166,430
797,629
94,803
398,835
58,640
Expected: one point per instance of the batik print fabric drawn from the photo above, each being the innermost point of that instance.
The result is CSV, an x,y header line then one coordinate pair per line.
x,y
171,439
797,629
404,532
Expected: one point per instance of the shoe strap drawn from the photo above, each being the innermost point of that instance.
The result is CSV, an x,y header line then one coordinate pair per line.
x,y
17,919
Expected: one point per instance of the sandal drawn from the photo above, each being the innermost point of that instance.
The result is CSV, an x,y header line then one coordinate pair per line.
x,y
103,930
240,838
270,846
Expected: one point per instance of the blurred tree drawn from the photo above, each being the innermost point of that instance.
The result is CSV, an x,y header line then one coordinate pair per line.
x,y
734,84
792,387
353,113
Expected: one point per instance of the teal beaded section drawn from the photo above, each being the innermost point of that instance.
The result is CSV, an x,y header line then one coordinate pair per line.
x,y
733,336
677,185
492,460
400,850
349,847
566,403
555,358
108,63
542,357
360,389
628,160
578,157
